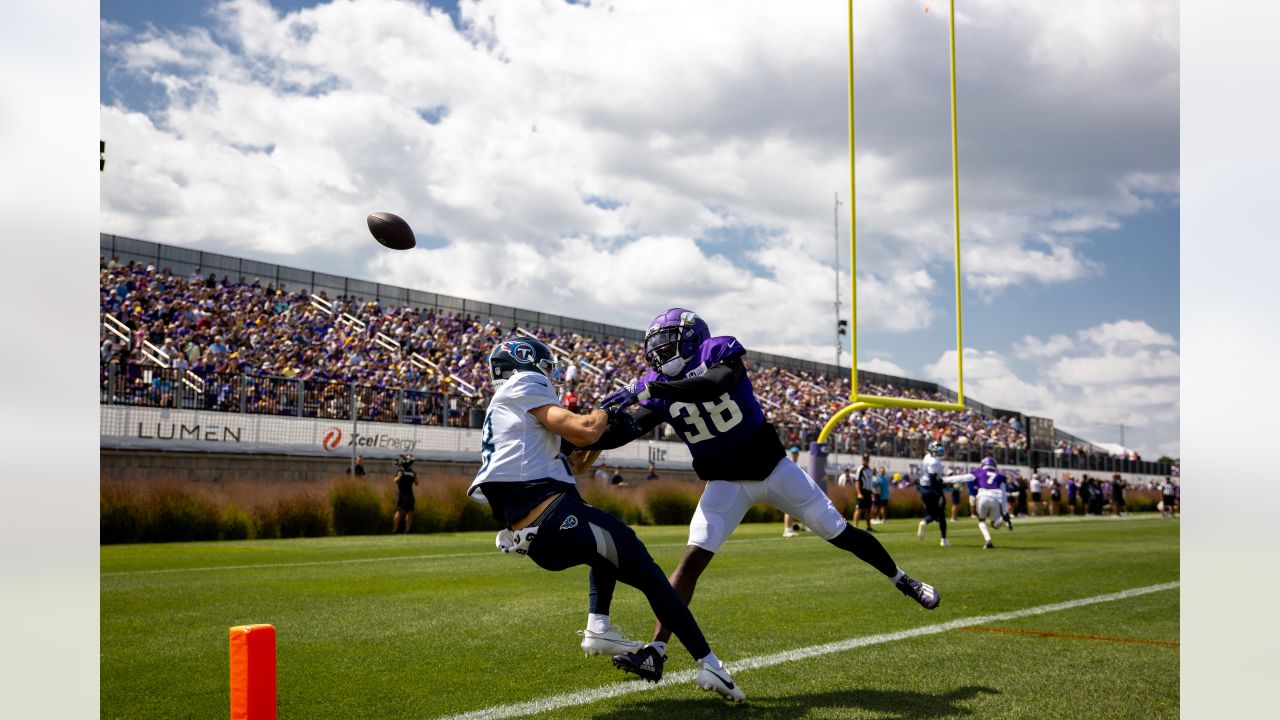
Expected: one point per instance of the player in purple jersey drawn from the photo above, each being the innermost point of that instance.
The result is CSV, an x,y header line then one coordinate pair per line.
x,y
699,384
991,495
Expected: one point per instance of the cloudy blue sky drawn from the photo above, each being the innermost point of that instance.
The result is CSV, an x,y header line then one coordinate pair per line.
x,y
607,160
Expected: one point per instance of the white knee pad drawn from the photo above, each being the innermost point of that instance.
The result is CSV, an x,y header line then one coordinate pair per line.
x,y
790,489
989,509
720,511
823,518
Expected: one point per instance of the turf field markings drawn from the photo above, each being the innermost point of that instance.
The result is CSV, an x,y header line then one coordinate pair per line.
x,y
351,561
1043,634
583,697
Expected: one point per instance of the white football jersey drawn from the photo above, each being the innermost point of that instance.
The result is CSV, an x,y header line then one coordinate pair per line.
x,y
514,446
930,466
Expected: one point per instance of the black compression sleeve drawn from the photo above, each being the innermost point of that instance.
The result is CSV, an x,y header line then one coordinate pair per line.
x,y
708,386
625,427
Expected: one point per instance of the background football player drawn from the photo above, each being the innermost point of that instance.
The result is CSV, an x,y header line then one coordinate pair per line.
x,y
931,487
992,500
528,484
699,384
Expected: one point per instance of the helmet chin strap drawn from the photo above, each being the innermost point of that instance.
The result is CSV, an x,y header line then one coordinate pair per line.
x,y
672,367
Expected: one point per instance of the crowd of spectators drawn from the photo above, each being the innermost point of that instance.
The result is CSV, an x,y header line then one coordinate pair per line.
x,y
248,343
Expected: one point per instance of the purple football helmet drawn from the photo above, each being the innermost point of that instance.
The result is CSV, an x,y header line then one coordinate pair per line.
x,y
989,462
673,339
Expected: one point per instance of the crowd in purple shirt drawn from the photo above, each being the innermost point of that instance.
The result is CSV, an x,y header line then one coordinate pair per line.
x,y
248,342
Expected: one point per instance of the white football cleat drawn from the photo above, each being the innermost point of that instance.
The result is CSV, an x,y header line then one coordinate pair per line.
x,y
610,643
717,679
944,543
920,530
789,533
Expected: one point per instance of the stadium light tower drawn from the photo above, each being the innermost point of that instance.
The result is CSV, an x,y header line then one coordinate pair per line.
x,y
840,324
1115,425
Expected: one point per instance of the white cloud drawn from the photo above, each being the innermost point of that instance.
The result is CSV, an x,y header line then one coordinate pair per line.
x,y
605,162
1126,332
1112,373
1114,369
280,132
881,365
1033,347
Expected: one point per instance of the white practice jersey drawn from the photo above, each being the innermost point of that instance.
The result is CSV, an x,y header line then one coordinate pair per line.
x,y
514,446
931,473
992,485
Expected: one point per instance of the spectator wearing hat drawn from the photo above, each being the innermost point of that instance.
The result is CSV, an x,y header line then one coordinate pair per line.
x,y
1117,495
1168,498
864,483
880,503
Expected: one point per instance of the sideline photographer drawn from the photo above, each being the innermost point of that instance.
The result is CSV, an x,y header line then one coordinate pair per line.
x,y
405,479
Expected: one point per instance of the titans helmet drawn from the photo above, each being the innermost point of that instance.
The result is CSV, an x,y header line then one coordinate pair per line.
x,y
521,353
936,449
989,462
673,339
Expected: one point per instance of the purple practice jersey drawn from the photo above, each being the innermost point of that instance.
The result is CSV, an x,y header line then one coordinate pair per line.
x,y
714,426
987,479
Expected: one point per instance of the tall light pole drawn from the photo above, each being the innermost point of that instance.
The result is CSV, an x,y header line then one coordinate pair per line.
x,y
1114,425
836,235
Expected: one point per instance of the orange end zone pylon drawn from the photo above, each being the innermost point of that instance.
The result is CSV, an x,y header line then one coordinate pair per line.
x,y
253,672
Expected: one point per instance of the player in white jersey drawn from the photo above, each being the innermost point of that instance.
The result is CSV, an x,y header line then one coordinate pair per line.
x,y
528,484
931,486
992,498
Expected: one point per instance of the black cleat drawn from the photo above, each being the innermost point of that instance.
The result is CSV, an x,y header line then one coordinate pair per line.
x,y
646,662
989,546
1008,522
923,593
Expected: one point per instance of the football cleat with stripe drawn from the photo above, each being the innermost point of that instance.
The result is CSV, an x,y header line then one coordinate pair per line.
x,y
647,663
923,593
611,642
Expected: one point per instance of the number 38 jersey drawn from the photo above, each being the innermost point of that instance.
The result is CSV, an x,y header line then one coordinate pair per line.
x,y
728,435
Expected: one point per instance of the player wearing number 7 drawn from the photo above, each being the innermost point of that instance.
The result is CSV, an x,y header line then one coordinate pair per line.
x,y
700,386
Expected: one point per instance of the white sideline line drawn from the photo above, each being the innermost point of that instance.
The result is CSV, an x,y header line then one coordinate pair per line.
x,y
350,561
557,702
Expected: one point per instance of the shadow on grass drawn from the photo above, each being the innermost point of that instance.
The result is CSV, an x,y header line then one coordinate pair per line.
x,y
882,703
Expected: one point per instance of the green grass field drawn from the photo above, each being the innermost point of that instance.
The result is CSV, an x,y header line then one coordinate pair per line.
x,y
435,625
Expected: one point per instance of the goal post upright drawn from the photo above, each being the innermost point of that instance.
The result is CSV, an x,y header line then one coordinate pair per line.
x,y
858,401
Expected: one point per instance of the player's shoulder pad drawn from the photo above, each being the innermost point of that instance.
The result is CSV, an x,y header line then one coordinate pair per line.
x,y
529,378
527,384
721,348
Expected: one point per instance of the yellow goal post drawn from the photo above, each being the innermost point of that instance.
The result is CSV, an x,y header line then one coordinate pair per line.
x,y
858,401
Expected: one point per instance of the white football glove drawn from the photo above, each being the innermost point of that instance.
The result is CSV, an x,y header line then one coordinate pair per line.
x,y
515,542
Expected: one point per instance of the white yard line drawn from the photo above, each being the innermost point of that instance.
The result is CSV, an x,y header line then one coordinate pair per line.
x,y
583,697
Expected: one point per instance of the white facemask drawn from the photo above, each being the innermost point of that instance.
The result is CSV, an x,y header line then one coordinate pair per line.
x,y
672,367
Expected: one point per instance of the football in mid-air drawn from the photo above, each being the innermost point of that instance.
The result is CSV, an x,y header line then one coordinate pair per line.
x,y
391,230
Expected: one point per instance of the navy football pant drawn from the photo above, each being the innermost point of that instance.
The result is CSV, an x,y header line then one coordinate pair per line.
x,y
935,509
574,533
